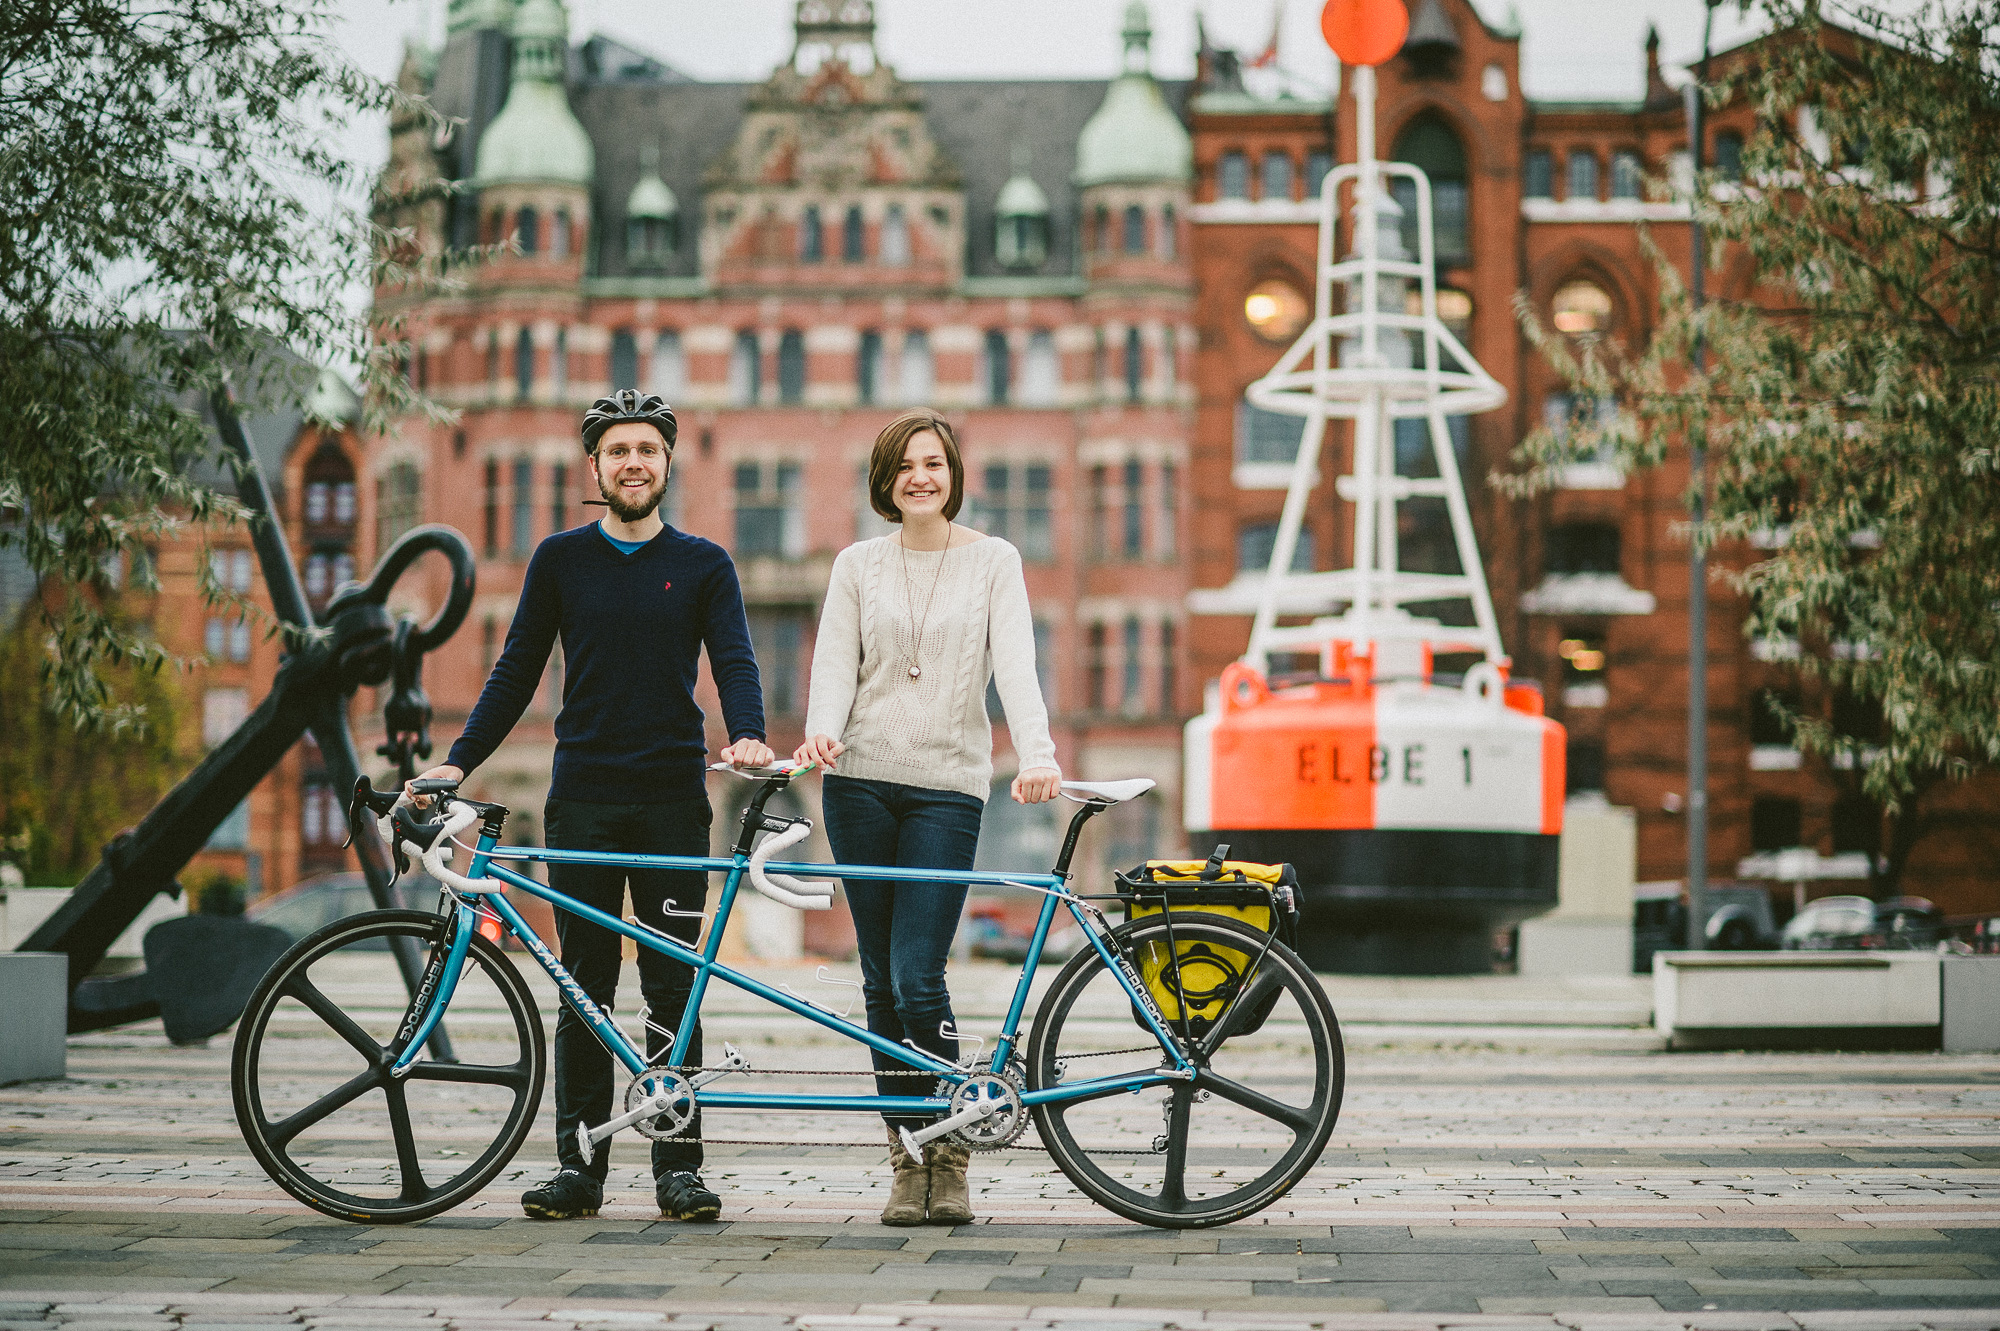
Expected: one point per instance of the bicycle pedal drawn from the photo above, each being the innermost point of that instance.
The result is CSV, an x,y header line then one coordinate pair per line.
x,y
586,1143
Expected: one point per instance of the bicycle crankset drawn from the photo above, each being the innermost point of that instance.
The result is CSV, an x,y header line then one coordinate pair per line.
x,y
1006,1123
673,1096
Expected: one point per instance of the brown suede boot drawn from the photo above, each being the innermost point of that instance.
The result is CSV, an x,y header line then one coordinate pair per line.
x,y
911,1189
951,1199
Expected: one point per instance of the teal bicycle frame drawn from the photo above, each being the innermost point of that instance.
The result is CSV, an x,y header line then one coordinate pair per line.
x,y
441,981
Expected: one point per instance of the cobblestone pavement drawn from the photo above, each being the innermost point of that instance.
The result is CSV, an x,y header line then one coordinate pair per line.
x,y
1504,1177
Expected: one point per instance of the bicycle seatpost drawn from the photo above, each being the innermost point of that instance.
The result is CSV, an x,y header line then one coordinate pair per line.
x,y
1089,810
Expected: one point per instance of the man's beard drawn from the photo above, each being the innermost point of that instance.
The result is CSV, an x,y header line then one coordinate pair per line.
x,y
623,508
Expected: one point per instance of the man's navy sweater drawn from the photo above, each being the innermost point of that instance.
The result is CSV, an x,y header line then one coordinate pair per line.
x,y
632,629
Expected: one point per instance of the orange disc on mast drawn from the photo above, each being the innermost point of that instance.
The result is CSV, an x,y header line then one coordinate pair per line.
x,y
1364,32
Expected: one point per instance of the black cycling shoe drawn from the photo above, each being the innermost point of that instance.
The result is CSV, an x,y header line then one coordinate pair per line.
x,y
570,1195
682,1197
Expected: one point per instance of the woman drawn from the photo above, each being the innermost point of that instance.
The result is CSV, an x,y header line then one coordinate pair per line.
x,y
915,625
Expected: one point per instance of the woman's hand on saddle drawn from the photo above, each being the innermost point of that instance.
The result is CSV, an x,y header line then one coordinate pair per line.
x,y
747,752
442,772
821,749
1037,785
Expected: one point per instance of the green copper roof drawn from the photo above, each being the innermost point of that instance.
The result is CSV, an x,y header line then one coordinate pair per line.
x,y
536,137
1134,135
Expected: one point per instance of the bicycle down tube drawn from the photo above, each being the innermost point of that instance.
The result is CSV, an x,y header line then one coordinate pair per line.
x,y
434,998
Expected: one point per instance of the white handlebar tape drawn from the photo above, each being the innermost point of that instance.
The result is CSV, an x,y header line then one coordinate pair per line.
x,y
795,892
435,858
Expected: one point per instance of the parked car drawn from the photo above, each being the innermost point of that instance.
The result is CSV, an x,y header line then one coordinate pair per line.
x,y
1848,922
1739,919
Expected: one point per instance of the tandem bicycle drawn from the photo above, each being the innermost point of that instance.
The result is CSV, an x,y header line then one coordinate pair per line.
x,y
1216,1022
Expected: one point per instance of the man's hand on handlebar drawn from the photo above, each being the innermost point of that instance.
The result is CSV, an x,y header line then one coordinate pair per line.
x,y
442,772
1037,785
749,752
821,749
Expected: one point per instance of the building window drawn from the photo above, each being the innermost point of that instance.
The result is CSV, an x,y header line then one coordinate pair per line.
x,y
1583,767
852,236
1627,175
527,230
650,240
1729,155
1132,662
669,365
1582,182
868,368
1094,664
1132,520
524,508
229,639
777,636
1538,174
1318,164
559,365
624,359
791,367
1166,527
1169,669
867,522
222,710
746,370
1775,823
1100,513
1563,412
1857,825
1232,176
919,374
558,497
1041,372
895,237
398,504
493,361
1428,142
1169,358
559,236
1135,229
231,570
492,534
329,489
1277,177
812,238
1170,241
1014,505
1020,240
1256,543
770,512
1583,661
1583,547
998,364
1135,365
1100,231
524,365
321,822
1581,307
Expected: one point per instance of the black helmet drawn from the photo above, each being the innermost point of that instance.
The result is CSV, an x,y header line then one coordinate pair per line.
x,y
628,404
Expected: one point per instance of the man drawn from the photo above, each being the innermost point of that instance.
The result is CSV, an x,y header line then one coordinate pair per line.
x,y
634,602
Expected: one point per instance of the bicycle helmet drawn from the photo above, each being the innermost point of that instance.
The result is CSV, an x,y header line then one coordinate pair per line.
x,y
628,404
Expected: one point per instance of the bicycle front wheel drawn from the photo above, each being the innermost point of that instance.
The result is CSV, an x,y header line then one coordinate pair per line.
x,y
310,1074
1267,1086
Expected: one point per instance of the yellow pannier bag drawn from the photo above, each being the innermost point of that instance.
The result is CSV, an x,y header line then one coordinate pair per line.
x,y
1199,975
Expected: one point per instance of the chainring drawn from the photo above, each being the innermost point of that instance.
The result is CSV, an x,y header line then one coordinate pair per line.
x,y
1006,1124
671,1121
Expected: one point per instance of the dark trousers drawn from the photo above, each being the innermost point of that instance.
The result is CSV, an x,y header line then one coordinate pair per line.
x,y
587,1077
904,928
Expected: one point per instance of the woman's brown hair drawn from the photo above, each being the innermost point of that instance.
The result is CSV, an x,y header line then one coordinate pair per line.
x,y
887,461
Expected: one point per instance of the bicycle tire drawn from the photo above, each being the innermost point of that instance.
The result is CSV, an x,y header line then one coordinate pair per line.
x,y
260,1073
1091,1140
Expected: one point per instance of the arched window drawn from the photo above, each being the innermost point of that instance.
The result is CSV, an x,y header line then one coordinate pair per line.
x,y
999,366
1277,177
812,239
1041,372
1583,176
669,365
524,364
868,368
528,231
919,371
895,237
559,365
791,367
1020,240
1581,306
746,369
559,236
1232,176
329,485
624,359
1169,242
1135,229
1100,235
1729,155
851,236
1429,143
1627,175
1135,364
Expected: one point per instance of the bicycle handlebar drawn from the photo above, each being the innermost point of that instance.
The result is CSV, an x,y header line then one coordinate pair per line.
x,y
795,892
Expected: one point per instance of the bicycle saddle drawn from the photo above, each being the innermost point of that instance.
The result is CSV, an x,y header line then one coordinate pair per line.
x,y
1110,792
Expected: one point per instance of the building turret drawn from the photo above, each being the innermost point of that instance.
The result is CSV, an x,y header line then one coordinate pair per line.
x,y
535,161
1133,164
1021,218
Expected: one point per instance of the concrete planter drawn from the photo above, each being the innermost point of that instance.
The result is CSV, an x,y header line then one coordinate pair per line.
x,y
34,993
1794,999
1971,1005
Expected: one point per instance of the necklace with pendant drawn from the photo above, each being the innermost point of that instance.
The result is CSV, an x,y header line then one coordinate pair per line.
x,y
917,626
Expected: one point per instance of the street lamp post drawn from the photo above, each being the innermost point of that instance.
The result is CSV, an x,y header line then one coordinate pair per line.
x,y
1697,715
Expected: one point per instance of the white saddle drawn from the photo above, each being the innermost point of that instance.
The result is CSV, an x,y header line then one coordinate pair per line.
x,y
1108,792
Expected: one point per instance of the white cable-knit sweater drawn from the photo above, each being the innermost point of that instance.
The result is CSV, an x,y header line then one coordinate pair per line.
x,y
930,731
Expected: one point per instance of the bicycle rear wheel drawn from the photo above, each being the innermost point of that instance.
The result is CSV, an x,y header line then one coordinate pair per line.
x,y
310,1074
1265,1094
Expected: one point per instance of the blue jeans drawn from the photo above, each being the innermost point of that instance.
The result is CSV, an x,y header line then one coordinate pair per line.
x,y
904,928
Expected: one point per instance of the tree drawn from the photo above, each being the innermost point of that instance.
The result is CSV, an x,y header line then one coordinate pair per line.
x,y
1851,399
174,208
